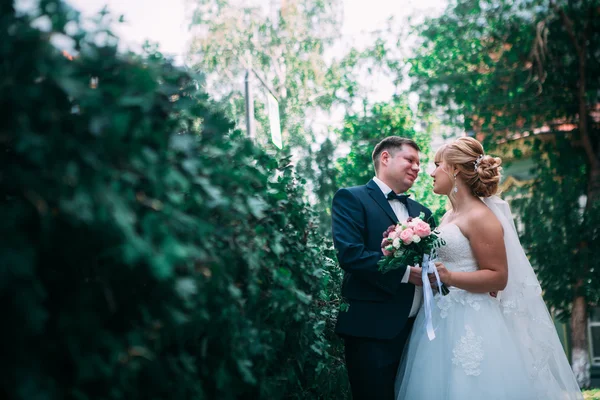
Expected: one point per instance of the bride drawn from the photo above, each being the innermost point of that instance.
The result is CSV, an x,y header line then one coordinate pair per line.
x,y
503,347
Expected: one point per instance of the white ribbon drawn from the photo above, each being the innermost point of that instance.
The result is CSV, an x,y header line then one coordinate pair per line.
x,y
428,267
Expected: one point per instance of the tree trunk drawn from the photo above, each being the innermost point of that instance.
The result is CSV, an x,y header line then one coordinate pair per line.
x,y
580,358
593,192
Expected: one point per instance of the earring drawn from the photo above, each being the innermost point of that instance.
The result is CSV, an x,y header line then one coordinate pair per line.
x,y
455,189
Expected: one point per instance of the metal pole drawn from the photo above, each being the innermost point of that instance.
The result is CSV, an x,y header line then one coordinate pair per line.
x,y
249,106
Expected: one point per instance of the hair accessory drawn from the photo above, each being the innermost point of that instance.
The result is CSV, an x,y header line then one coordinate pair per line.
x,y
478,161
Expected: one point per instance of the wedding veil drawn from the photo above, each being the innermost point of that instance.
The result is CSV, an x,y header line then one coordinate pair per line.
x,y
528,318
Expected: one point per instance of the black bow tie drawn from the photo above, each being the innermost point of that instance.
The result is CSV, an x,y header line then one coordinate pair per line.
x,y
403,198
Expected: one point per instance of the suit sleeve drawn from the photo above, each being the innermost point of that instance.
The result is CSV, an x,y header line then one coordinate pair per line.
x,y
348,226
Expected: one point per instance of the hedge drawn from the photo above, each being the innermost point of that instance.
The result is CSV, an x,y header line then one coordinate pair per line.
x,y
149,250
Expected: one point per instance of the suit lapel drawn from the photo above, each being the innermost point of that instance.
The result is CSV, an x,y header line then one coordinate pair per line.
x,y
413,210
377,195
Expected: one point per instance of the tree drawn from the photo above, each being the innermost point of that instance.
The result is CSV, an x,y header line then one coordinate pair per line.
x,y
504,70
286,47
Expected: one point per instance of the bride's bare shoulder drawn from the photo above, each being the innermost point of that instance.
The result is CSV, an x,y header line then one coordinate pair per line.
x,y
446,217
481,220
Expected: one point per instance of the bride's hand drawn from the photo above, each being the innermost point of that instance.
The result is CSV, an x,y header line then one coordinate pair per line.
x,y
445,275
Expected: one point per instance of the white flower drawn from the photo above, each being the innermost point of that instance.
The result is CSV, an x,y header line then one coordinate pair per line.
x,y
416,239
396,243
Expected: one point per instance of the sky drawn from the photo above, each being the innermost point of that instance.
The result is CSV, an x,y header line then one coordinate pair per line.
x,y
164,21
159,21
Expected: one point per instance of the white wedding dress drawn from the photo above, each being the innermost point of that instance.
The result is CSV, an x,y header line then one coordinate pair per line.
x,y
503,348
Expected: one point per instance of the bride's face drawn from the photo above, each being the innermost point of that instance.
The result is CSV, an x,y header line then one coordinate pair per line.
x,y
442,178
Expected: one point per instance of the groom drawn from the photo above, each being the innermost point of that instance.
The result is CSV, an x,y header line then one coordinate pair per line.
x,y
382,307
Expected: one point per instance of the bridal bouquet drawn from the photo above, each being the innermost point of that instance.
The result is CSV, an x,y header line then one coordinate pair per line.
x,y
411,242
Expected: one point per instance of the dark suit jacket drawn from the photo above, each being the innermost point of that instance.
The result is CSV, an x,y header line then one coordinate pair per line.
x,y
379,303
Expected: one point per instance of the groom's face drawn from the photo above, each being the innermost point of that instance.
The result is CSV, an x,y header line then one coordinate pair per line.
x,y
402,167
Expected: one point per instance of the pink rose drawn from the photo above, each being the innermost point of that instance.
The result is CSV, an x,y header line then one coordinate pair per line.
x,y
384,242
386,252
393,235
407,236
388,230
422,229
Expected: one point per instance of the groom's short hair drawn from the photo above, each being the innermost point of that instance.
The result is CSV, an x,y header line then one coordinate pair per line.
x,y
391,144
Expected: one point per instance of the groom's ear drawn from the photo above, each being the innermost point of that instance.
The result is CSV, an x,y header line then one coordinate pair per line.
x,y
384,156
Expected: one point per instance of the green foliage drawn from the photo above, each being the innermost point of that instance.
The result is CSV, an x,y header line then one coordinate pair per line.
x,y
469,61
593,394
325,183
498,66
149,250
553,227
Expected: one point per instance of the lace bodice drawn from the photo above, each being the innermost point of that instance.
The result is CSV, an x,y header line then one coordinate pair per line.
x,y
456,254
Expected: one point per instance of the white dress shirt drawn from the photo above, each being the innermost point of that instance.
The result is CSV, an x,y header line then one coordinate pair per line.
x,y
402,214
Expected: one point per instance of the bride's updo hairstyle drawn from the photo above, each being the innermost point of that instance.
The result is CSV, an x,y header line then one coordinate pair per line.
x,y
479,171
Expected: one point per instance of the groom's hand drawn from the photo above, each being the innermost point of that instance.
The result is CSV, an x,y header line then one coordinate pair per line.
x,y
414,276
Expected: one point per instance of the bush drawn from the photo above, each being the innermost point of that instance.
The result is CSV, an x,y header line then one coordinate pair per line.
x,y
150,251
